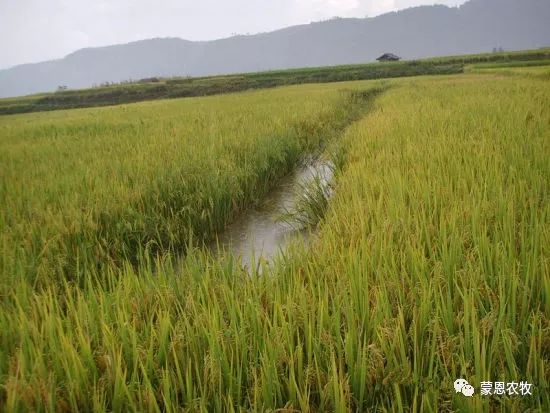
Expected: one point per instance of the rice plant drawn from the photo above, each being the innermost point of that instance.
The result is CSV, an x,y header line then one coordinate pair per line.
x,y
431,263
311,199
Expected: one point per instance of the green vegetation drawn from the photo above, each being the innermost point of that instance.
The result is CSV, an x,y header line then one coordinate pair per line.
x,y
93,187
155,88
312,202
430,263
192,87
500,57
505,64
539,70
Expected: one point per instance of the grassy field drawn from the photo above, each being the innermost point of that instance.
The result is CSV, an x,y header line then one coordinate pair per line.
x,y
159,88
206,86
432,262
539,70
96,186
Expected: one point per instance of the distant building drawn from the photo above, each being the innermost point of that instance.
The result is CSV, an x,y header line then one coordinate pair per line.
x,y
388,57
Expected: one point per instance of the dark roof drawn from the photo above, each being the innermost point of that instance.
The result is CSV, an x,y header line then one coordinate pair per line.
x,y
388,56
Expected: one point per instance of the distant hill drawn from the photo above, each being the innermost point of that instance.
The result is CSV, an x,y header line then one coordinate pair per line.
x,y
475,27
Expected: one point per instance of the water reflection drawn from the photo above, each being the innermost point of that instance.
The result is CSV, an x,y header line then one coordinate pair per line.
x,y
258,234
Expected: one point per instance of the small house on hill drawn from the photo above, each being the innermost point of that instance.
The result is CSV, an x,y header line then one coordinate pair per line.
x,y
388,57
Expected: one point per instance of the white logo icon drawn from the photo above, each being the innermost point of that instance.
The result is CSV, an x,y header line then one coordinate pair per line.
x,y
468,390
462,386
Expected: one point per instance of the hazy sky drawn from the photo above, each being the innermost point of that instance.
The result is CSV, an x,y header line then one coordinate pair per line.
x,y
36,30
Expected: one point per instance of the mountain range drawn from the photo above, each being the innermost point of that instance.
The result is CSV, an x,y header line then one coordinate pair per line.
x,y
427,31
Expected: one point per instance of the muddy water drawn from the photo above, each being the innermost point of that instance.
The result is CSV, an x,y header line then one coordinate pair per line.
x,y
258,234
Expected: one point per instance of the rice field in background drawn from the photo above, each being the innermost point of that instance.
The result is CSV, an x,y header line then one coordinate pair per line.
x,y
178,87
531,68
431,262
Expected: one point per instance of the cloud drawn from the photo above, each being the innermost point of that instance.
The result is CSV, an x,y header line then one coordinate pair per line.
x,y
327,7
304,11
381,6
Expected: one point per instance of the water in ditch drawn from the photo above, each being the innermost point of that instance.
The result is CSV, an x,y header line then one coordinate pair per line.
x,y
259,234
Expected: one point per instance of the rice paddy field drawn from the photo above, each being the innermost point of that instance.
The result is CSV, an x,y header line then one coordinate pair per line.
x,y
430,263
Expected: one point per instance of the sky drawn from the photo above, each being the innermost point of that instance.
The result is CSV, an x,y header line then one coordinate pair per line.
x,y
38,30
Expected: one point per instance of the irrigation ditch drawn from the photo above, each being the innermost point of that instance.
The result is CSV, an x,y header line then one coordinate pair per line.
x,y
283,198
289,212
293,209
